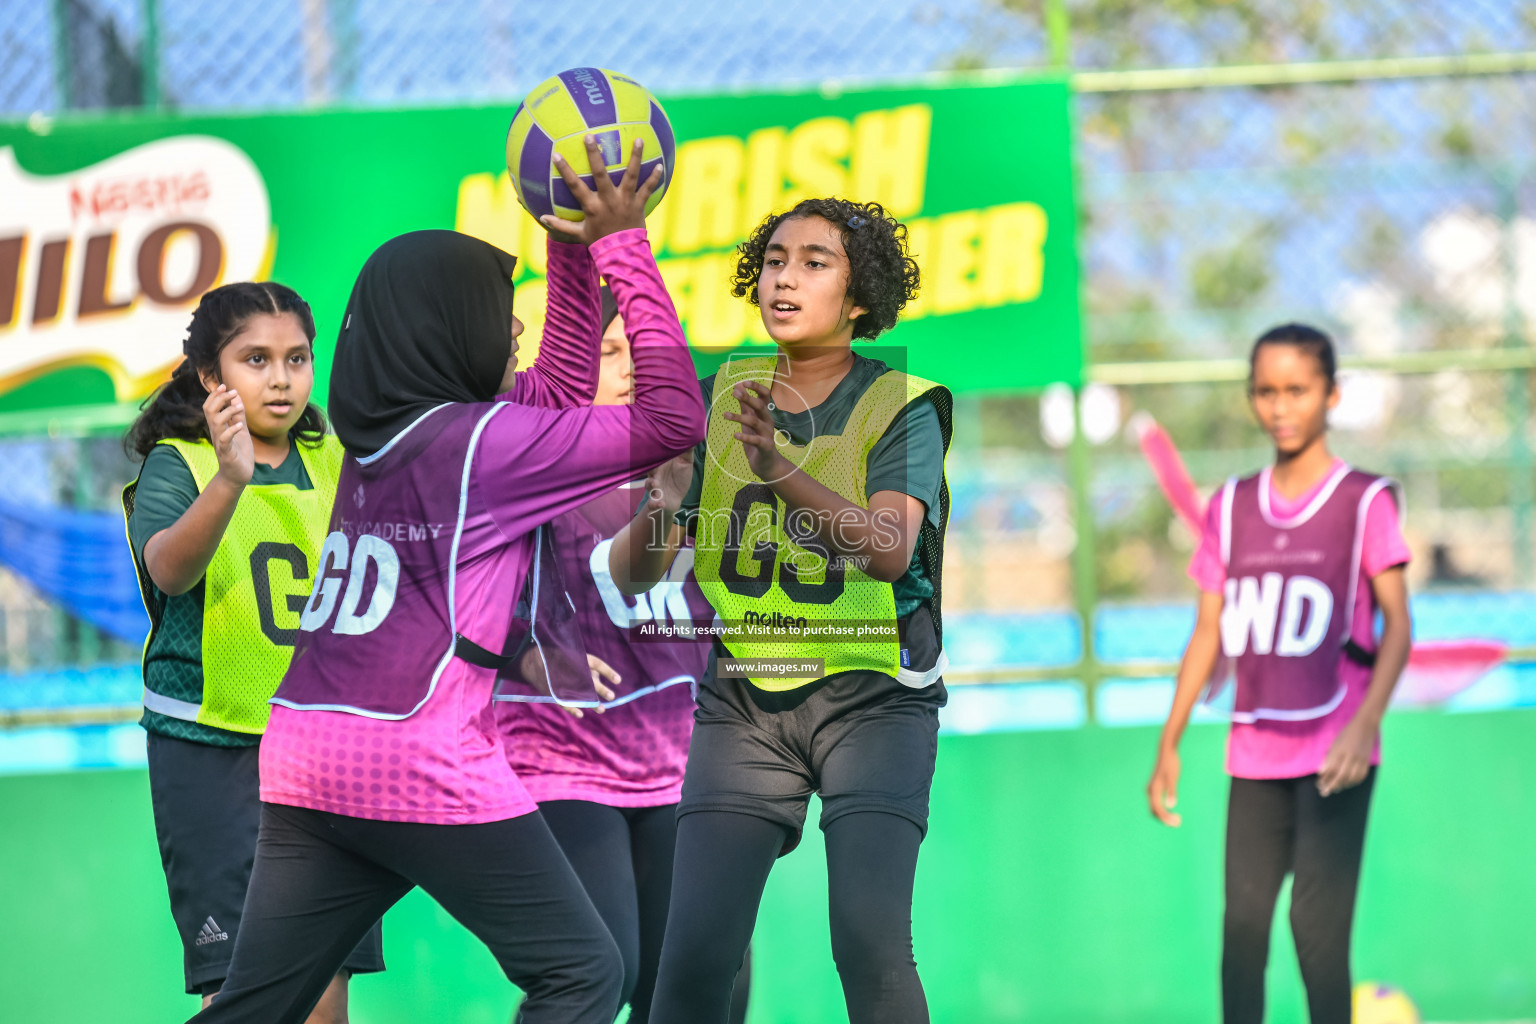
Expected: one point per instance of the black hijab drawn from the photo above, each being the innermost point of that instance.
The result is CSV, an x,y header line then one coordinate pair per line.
x,y
610,308
429,321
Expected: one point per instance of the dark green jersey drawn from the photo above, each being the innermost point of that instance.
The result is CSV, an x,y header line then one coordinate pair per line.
x,y
909,457
173,663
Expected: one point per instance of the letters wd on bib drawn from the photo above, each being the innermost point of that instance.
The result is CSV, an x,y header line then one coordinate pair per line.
x,y
1290,594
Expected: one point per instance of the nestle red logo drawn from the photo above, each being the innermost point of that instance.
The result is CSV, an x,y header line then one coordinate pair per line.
x,y
169,193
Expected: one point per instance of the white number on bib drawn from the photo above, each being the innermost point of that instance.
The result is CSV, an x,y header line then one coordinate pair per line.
x,y
665,600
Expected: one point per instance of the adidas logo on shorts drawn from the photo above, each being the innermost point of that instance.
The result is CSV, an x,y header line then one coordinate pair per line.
x,y
211,933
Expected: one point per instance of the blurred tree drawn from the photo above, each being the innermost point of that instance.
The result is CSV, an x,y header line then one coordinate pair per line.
x,y
104,68
1210,214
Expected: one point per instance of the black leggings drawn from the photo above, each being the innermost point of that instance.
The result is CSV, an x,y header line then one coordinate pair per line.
x,y
320,881
723,860
1281,826
623,856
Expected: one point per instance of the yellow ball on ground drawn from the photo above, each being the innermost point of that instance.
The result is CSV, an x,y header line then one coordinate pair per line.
x,y
1376,1003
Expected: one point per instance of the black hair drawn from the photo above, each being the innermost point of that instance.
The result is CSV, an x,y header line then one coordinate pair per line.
x,y
176,408
883,277
1305,337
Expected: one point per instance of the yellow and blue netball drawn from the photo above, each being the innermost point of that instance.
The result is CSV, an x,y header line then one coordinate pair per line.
x,y
558,115
1382,1004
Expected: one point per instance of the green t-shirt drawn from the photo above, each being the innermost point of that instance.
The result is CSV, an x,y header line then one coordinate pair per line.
x,y
173,663
909,458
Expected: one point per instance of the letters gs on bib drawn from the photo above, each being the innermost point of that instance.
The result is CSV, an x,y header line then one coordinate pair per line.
x,y
1286,617
341,598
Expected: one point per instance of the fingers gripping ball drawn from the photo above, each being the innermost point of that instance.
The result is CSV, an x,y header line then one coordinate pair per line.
x,y
557,116
1382,1004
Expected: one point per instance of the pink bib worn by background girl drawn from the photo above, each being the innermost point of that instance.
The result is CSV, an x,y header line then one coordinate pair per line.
x,y
1290,593
1267,748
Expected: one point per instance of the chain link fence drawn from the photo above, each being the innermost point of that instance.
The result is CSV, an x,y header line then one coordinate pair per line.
x,y
1397,212
57,475
236,53
287,53
1394,207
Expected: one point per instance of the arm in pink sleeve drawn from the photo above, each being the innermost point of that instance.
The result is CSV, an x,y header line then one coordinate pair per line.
x,y
1206,567
534,463
565,373
1383,546
668,410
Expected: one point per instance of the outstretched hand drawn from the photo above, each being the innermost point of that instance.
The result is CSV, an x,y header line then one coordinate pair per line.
x,y
668,483
231,438
609,208
757,431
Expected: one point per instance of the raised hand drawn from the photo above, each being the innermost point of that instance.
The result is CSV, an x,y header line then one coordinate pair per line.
x,y
668,483
757,432
609,208
231,439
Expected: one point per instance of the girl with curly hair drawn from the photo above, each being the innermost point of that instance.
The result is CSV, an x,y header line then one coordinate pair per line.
x,y
817,505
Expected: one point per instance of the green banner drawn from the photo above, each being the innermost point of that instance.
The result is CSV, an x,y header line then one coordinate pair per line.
x,y
111,227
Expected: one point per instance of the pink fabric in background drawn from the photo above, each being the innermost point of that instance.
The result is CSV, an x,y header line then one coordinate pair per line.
x,y
629,756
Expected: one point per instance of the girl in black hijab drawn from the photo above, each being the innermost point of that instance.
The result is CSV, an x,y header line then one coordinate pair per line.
x,y
382,767
428,322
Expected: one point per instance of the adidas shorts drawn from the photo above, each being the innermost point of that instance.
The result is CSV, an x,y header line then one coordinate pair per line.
x,y
207,813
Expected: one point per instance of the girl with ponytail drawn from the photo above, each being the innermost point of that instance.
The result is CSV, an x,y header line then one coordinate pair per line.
x,y
225,524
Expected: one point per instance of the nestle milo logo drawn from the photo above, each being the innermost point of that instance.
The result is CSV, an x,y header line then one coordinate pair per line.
x,y
89,288
101,266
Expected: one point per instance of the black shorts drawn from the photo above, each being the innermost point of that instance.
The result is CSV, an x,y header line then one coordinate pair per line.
x,y
861,740
207,814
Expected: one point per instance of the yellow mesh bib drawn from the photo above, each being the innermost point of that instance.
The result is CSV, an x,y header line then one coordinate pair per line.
x,y
760,573
256,585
